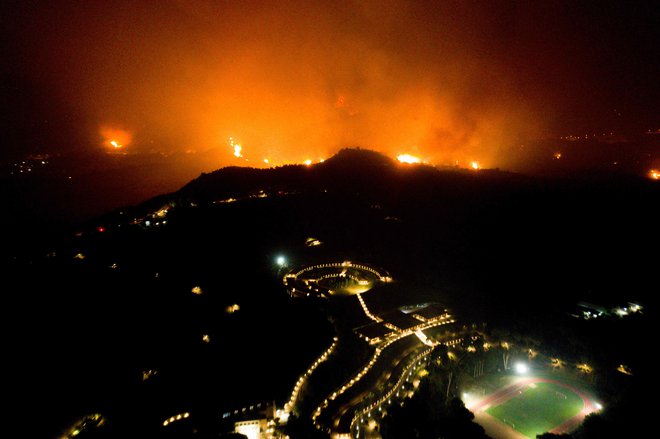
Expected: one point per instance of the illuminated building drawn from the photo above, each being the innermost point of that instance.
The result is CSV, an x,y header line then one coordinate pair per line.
x,y
253,429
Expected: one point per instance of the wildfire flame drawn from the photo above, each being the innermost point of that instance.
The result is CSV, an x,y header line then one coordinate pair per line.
x,y
475,166
115,138
407,158
654,174
237,147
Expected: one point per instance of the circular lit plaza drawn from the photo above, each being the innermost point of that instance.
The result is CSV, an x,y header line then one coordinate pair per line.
x,y
334,279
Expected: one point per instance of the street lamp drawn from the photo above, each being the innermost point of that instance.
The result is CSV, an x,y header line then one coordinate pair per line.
x,y
281,261
521,368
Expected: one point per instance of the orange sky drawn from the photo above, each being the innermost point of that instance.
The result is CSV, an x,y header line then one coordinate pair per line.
x,y
291,81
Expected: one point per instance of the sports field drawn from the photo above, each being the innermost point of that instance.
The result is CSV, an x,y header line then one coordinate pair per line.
x,y
538,408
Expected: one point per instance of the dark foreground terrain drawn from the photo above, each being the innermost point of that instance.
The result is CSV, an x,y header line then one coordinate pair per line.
x,y
100,307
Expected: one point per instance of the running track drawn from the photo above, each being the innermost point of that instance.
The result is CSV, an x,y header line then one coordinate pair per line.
x,y
518,387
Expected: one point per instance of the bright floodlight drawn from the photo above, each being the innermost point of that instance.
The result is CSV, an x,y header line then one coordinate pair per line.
x,y
281,261
521,368
598,406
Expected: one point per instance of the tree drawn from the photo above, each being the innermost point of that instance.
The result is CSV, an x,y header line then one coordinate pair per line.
x,y
430,414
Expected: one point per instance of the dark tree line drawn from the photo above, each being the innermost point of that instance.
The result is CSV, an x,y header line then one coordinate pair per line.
x,y
433,411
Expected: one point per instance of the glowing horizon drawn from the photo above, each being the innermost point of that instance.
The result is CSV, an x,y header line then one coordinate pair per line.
x,y
351,75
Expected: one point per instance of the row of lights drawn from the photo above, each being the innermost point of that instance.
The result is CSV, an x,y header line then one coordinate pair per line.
x,y
448,343
366,310
366,369
383,278
415,362
344,265
175,418
246,409
437,321
346,386
288,407
557,363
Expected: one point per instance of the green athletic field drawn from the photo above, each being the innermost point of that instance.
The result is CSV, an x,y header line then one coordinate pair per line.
x,y
538,409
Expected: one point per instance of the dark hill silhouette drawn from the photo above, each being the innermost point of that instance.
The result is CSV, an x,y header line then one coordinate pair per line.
x,y
350,170
357,157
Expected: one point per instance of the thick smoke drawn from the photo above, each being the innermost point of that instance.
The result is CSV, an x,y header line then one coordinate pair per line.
x,y
447,81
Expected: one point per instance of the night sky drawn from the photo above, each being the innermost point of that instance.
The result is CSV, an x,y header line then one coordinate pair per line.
x,y
450,82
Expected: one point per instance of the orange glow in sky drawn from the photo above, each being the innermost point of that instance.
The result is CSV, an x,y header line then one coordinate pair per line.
x,y
344,94
376,75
